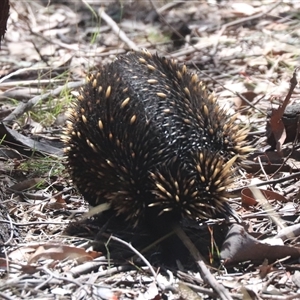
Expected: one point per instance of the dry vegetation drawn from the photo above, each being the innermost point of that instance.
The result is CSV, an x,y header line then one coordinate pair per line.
x,y
246,51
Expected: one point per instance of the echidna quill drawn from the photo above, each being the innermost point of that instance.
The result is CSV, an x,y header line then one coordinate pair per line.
x,y
147,137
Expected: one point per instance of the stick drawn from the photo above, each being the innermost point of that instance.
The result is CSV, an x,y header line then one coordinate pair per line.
x,y
205,273
116,29
23,107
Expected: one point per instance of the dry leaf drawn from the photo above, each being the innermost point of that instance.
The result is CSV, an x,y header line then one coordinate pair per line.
x,y
277,127
26,184
240,246
53,251
265,269
241,8
248,198
3,264
186,292
61,252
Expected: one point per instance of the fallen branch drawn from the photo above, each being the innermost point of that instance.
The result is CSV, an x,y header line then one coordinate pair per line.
x,y
116,29
24,107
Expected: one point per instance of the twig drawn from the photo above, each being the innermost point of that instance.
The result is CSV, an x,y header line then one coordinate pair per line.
x,y
165,21
262,168
293,85
34,223
24,83
88,267
137,253
276,123
11,230
205,273
270,182
116,29
62,278
5,297
290,154
24,107
231,91
275,297
243,20
23,70
202,290
169,5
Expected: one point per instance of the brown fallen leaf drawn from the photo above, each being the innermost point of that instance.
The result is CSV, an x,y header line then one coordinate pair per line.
x,y
60,252
249,199
33,253
244,100
57,202
275,123
105,293
290,120
27,184
277,127
22,253
29,269
3,264
265,268
240,246
25,144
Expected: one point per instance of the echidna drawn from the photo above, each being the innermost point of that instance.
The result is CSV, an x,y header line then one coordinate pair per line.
x,y
147,137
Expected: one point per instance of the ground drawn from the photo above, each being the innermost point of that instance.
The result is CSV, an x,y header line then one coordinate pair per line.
x,y
247,52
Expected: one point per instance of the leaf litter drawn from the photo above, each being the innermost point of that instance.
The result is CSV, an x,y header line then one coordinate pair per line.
x,y
247,52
